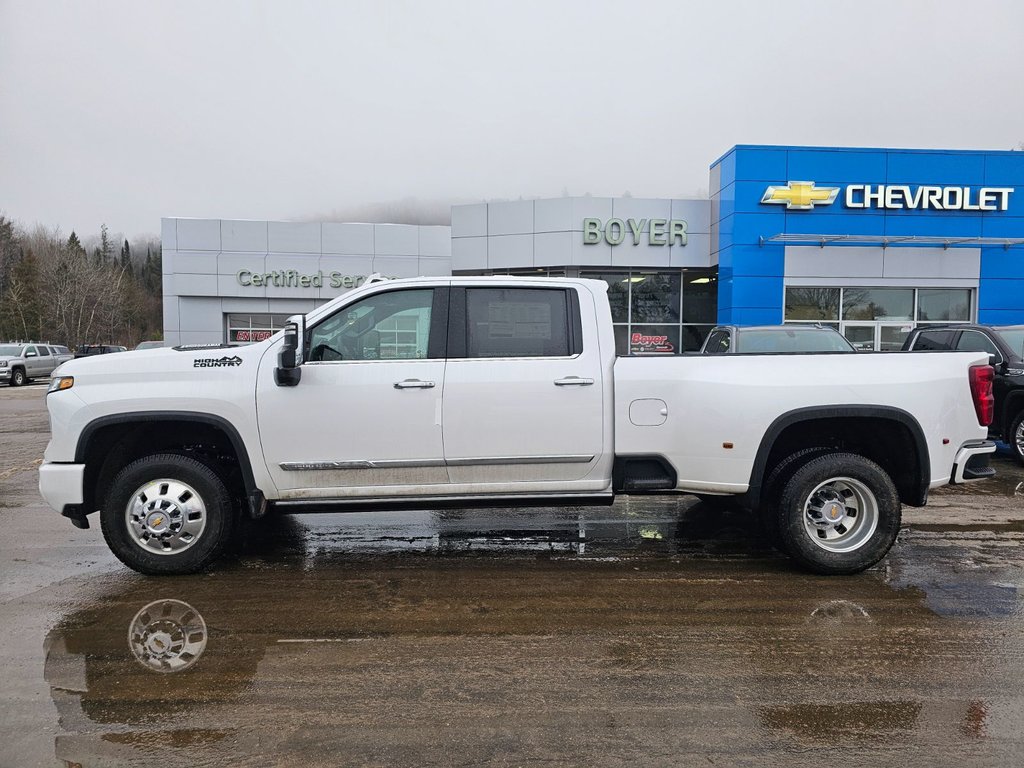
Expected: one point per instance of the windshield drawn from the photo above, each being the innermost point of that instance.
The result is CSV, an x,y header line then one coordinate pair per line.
x,y
783,340
10,350
1014,338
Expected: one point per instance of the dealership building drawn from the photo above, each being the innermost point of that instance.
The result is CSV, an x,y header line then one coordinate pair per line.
x,y
869,241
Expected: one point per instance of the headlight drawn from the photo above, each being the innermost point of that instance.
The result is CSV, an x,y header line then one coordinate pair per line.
x,y
61,382
3,363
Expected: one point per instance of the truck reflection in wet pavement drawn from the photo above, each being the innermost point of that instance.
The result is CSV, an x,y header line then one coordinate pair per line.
x,y
663,637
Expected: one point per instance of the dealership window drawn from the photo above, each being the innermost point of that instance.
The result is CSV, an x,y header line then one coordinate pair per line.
x,y
877,318
660,312
246,329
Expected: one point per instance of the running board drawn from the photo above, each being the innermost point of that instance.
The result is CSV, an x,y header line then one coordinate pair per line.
x,y
304,506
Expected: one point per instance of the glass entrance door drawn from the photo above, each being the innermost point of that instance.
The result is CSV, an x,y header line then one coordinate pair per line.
x,y
861,335
877,337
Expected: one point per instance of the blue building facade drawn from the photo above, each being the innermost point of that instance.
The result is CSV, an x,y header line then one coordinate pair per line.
x,y
871,241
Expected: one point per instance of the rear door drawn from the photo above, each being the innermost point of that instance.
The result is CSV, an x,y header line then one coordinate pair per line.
x,y
523,394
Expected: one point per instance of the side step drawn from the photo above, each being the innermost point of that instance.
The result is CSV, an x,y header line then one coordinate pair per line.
x,y
643,474
511,500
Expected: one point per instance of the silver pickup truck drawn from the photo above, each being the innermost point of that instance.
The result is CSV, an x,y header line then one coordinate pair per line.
x,y
20,363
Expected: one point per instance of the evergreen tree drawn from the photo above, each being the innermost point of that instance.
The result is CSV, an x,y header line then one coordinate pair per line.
x,y
106,249
126,256
75,245
21,306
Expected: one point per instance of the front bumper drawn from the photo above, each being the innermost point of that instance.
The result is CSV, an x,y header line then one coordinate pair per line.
x,y
60,485
5,374
971,463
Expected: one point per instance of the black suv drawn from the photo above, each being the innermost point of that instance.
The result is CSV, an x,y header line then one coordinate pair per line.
x,y
1005,345
88,350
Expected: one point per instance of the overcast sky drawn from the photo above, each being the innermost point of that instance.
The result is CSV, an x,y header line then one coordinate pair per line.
x,y
123,112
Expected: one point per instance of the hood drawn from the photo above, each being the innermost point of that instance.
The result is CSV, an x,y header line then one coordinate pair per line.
x,y
147,362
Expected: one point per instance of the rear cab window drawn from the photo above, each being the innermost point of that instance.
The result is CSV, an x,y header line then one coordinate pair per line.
x,y
718,343
976,341
515,322
934,341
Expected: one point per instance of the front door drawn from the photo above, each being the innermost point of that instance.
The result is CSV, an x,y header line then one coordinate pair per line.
x,y
365,418
523,397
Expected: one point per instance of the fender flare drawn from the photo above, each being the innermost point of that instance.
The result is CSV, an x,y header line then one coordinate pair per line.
x,y
142,417
888,413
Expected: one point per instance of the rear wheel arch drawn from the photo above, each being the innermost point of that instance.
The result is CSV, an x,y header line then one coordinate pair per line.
x,y
889,436
1011,410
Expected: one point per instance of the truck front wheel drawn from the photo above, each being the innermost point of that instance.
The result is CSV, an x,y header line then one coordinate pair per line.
x,y
838,514
18,377
167,514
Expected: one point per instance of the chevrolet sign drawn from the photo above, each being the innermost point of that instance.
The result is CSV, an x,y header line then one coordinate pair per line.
x,y
896,196
804,195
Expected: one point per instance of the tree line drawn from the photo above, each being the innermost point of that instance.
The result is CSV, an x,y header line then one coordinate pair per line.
x,y
64,290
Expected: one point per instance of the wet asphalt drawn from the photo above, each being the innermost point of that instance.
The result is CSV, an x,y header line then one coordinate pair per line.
x,y
654,632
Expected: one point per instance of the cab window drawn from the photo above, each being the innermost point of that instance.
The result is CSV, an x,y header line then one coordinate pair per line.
x,y
934,340
517,322
975,341
718,343
394,325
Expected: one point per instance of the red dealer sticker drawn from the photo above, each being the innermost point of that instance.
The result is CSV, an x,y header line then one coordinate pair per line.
x,y
638,342
254,335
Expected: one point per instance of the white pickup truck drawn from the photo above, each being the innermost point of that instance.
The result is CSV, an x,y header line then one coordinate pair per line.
x,y
466,392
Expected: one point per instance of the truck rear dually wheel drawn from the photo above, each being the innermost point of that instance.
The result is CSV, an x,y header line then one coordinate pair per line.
x,y
838,514
167,514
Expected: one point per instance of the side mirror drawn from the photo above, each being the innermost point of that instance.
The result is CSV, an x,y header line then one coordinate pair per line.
x,y
30,353
289,360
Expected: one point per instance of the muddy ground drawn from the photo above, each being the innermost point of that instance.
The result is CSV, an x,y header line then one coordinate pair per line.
x,y
654,632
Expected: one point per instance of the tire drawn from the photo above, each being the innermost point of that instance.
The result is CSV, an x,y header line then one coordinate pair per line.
x,y
18,377
864,501
1015,438
767,510
167,514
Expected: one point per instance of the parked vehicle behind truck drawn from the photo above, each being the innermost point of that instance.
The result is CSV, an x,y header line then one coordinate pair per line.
x,y
1005,346
466,392
20,363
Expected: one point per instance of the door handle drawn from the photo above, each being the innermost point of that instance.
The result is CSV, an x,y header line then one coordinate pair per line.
x,y
573,381
414,384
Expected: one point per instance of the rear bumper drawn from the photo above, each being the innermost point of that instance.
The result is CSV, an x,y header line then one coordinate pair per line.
x,y
60,485
971,463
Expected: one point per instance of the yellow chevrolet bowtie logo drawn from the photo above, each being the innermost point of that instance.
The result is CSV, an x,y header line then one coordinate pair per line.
x,y
800,195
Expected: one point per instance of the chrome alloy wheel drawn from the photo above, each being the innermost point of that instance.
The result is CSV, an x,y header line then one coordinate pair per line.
x,y
167,636
840,514
165,516
1018,438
